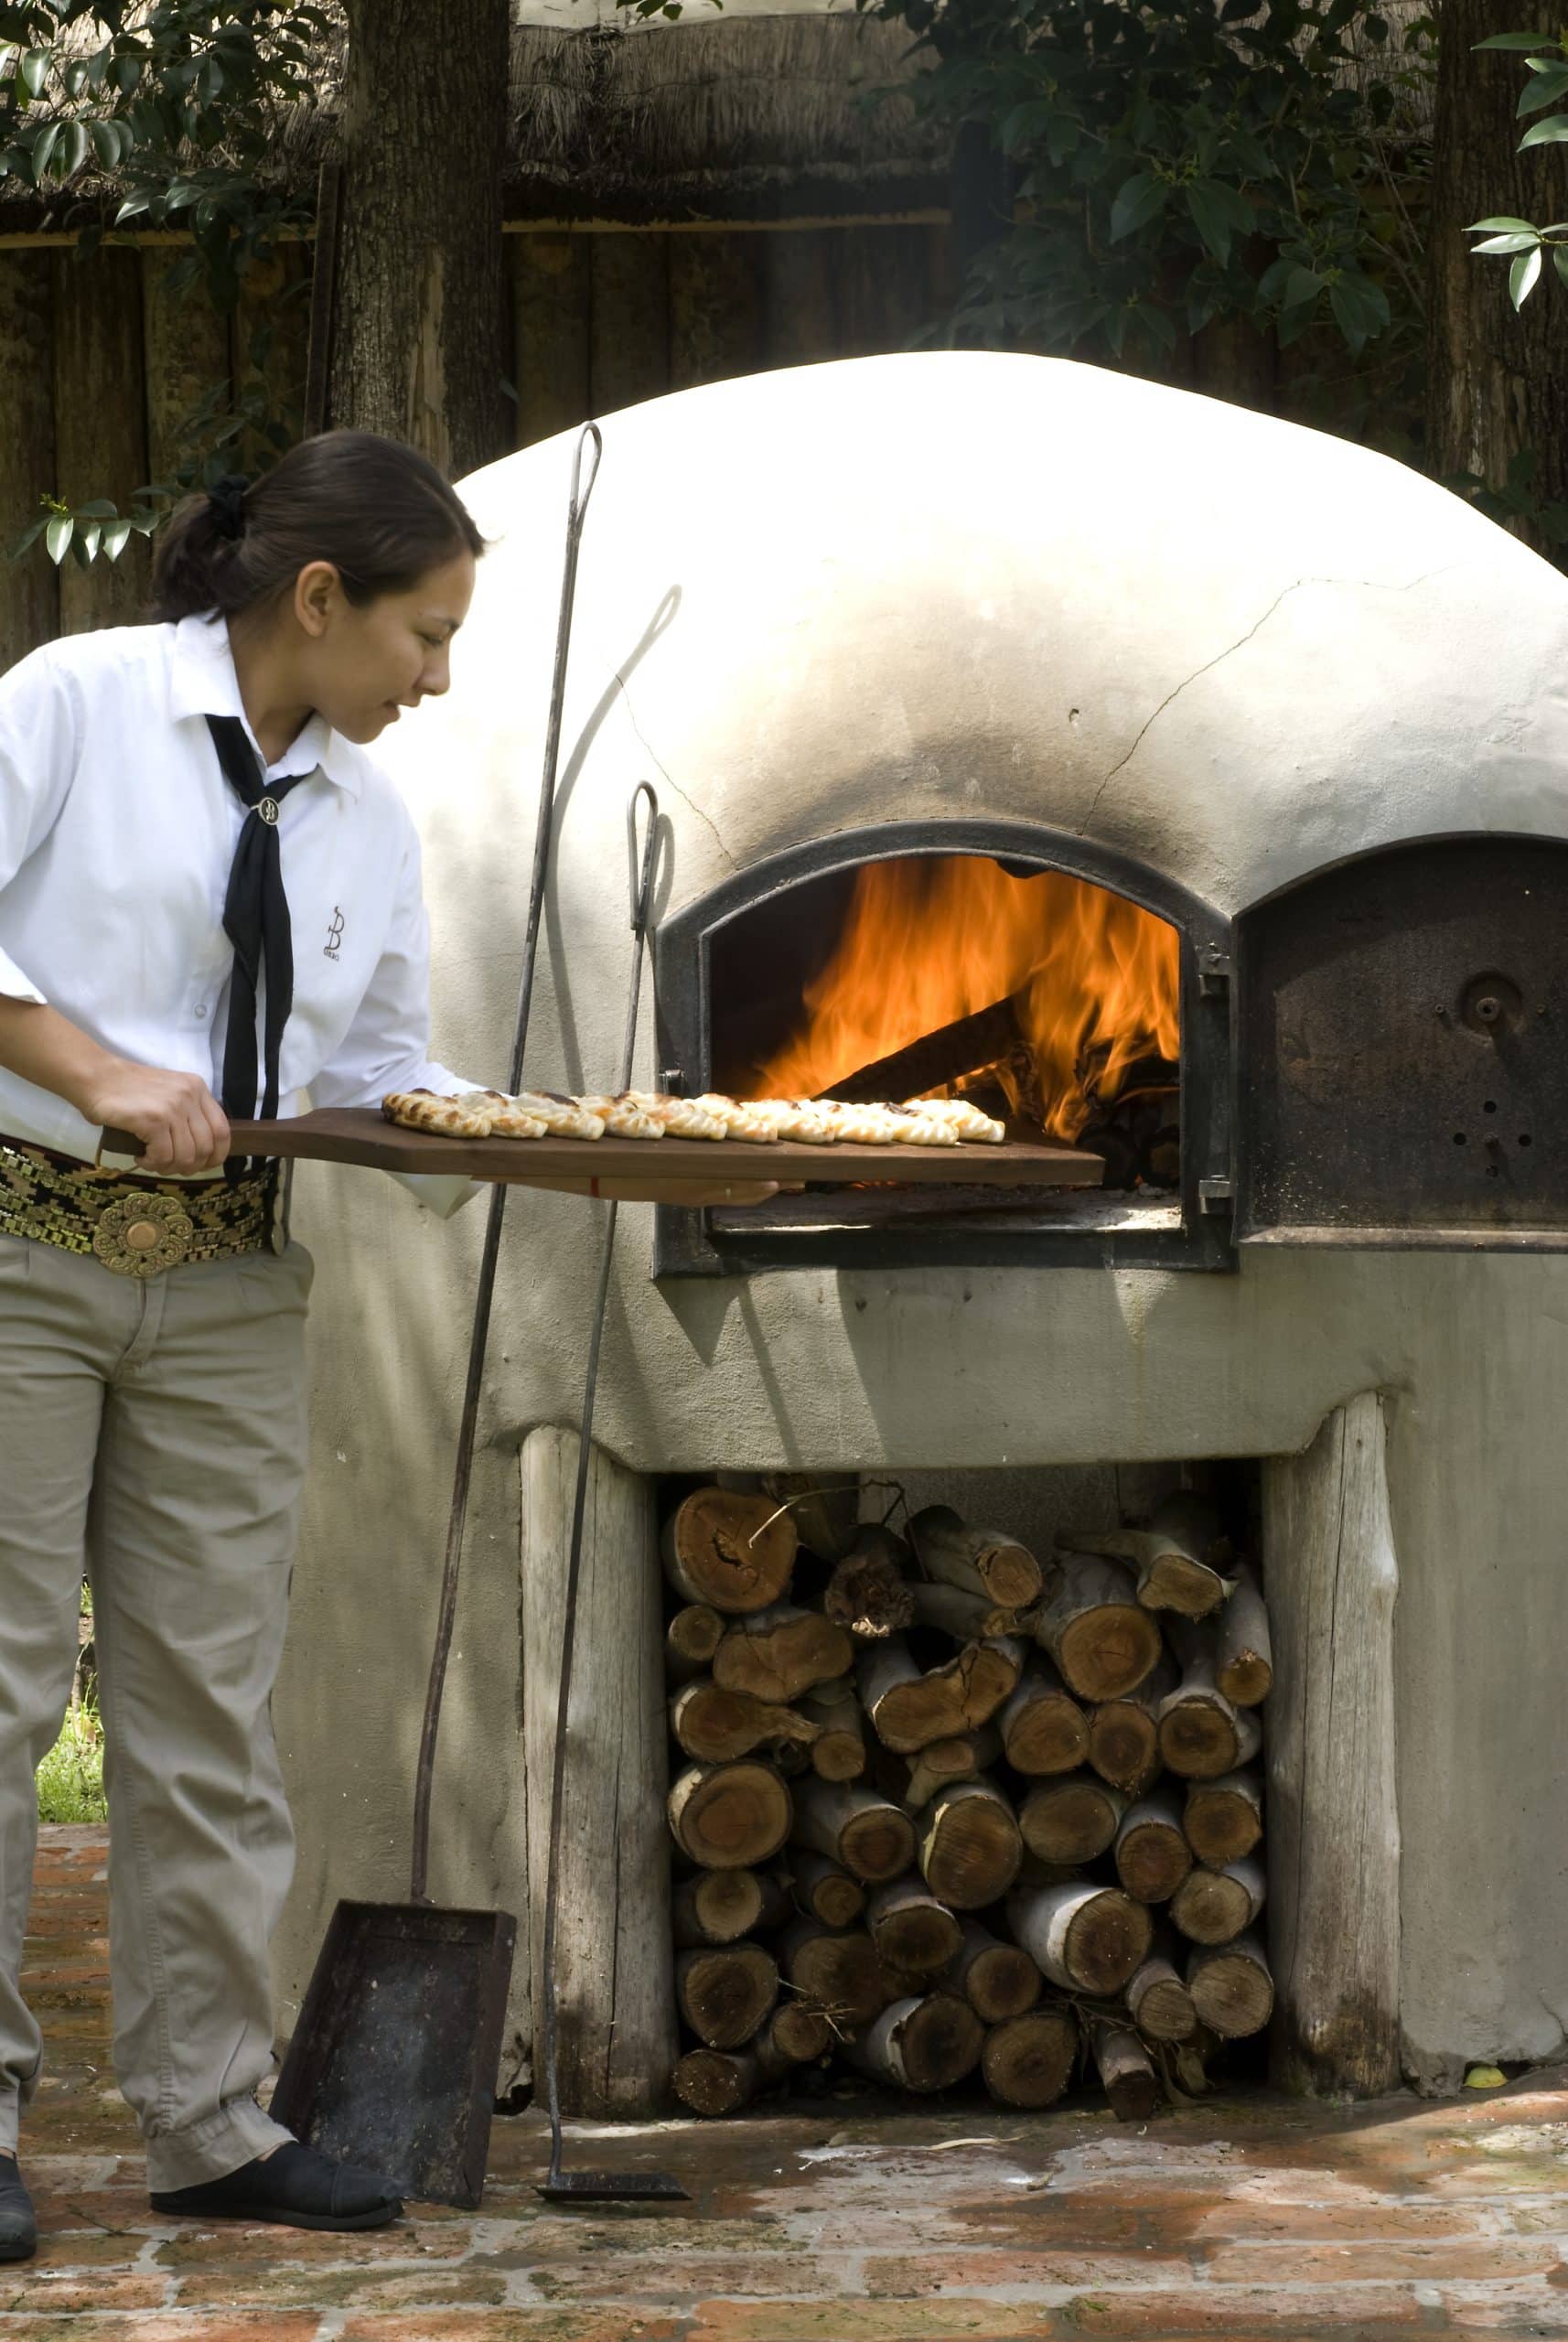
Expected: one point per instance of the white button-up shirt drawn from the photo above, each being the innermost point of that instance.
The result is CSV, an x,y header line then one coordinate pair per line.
x,y
117,831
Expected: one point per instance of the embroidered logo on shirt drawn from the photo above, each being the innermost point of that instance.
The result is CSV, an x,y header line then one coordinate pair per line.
x,y
334,935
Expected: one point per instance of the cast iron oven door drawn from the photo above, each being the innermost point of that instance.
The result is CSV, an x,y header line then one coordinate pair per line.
x,y
1404,1079
715,962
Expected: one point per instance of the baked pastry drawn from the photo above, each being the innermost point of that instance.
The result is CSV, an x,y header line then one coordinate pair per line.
x,y
625,1117
561,1117
973,1127
423,1109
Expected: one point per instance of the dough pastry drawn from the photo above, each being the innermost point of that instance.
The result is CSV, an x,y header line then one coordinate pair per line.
x,y
561,1117
759,1120
626,1117
687,1118
811,1122
975,1128
421,1110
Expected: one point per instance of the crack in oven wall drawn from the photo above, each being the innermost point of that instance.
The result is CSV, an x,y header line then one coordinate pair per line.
x,y
757,995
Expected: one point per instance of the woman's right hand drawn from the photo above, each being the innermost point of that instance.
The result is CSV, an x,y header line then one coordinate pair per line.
x,y
179,1123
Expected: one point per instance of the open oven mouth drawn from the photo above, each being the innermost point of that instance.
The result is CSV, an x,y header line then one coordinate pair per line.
x,y
1071,997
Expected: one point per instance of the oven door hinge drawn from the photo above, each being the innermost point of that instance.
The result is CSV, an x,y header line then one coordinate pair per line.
x,y
1216,1194
1214,969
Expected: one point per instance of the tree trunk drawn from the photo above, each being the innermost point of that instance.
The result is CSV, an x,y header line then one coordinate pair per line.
x,y
1497,382
781,1652
421,347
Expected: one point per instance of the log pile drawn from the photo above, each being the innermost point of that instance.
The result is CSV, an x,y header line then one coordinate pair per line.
x,y
943,1809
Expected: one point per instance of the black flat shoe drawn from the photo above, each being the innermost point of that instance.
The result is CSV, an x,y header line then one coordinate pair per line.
x,y
18,2230
295,2189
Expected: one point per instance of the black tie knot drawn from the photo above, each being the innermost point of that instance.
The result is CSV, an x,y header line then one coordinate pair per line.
x,y
256,921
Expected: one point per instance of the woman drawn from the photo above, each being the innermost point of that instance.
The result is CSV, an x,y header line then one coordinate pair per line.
x,y
210,902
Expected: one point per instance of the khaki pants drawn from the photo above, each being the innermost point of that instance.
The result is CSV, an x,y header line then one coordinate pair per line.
x,y
154,1430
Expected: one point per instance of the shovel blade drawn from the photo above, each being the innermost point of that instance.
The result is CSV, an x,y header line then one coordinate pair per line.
x,y
613,2187
393,2065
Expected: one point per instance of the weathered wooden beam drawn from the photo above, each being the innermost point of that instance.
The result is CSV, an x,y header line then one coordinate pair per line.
x,y
615,1975
1333,1835
550,288
100,443
29,588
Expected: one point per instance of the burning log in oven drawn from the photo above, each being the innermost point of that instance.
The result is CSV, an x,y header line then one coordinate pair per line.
x,y
951,1810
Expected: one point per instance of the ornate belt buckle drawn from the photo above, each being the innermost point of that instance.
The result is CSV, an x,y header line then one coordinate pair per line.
x,y
141,1236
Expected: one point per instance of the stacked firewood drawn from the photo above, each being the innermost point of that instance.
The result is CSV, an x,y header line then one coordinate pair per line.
x,y
939,1806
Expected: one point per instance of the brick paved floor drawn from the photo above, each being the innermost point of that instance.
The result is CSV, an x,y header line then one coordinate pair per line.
x,y
1250,2218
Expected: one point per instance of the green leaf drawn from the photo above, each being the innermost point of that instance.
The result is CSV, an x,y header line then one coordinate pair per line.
x,y
133,207
73,151
35,71
115,538
58,534
1522,276
1519,40
1550,132
44,146
1210,217
89,540
1137,201
1523,243
1545,90
26,540
1560,261
1524,227
105,138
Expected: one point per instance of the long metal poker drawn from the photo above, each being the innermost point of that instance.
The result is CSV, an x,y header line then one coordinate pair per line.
x,y
594,2186
582,489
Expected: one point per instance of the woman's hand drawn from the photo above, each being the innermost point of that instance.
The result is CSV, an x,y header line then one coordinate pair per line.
x,y
179,1123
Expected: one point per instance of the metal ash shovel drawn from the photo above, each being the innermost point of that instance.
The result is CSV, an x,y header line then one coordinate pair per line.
x,y
394,2063
594,2187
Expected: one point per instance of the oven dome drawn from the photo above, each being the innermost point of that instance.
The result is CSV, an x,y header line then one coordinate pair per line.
x,y
956,585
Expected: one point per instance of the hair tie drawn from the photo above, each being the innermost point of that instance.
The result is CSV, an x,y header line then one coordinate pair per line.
x,y
227,500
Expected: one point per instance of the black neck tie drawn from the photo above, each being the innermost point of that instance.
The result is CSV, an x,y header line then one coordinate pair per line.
x,y
255,920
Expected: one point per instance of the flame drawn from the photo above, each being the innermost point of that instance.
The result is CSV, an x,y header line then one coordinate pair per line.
x,y
930,937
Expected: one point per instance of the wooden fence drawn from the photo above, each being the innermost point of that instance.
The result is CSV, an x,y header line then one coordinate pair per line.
x,y
101,359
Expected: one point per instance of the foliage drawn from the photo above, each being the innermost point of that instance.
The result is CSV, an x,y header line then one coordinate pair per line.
x,y
70,1779
174,105
1173,161
1546,57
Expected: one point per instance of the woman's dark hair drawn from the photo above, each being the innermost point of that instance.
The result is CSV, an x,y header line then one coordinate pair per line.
x,y
380,512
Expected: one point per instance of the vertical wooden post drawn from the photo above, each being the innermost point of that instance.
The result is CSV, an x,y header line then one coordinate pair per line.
x,y
615,1963
631,325
29,588
272,328
715,306
187,347
101,438
1333,1818
551,307
800,297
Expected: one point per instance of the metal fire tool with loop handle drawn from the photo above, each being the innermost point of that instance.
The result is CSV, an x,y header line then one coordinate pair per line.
x,y
594,2186
394,2063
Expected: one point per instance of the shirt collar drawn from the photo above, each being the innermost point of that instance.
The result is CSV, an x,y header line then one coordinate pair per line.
x,y
203,682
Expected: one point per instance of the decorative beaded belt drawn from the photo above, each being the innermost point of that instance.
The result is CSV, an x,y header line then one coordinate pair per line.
x,y
138,1227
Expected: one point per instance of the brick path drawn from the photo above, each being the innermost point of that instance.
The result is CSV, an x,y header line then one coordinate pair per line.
x,y
1248,2220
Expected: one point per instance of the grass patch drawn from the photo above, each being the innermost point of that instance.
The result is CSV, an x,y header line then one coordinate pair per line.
x,y
70,1779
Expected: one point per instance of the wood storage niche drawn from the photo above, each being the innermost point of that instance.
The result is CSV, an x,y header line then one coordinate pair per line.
x,y
967,1797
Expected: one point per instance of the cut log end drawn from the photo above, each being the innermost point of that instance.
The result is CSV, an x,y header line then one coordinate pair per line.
x,y
731,1550
725,1991
1028,2059
1160,2004
1070,1820
1223,1820
1153,1857
914,1933
970,1845
923,2044
1126,2073
729,1817
1231,1988
713,2081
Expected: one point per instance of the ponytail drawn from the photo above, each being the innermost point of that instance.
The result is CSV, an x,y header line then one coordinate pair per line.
x,y
378,511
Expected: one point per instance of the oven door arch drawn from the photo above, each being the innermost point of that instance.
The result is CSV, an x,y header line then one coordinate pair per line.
x,y
1194,1233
